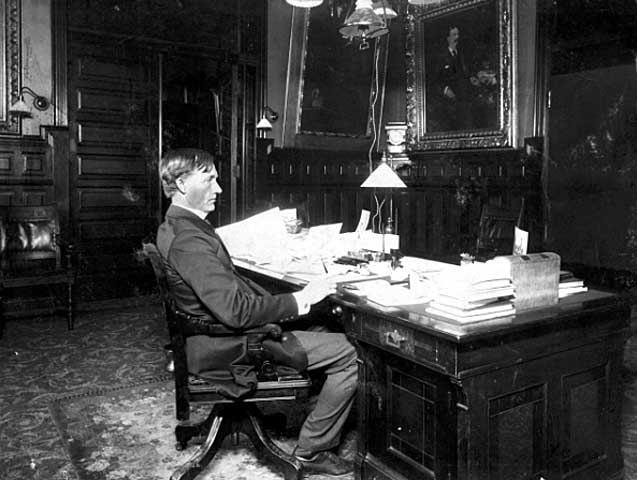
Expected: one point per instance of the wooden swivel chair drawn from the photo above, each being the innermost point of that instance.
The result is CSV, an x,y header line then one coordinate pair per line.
x,y
32,254
227,416
496,232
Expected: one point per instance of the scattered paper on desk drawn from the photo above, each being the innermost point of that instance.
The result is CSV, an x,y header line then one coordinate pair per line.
x,y
323,239
383,293
288,214
424,267
260,238
520,242
363,222
375,241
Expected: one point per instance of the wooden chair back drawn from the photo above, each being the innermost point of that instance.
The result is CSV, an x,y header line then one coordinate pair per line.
x,y
177,338
32,255
30,238
226,415
496,231
181,325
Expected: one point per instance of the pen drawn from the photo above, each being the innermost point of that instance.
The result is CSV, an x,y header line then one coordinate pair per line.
x,y
324,267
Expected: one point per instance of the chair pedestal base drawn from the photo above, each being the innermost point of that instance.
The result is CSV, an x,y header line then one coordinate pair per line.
x,y
226,419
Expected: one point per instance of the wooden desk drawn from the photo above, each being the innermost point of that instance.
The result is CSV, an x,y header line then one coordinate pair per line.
x,y
537,398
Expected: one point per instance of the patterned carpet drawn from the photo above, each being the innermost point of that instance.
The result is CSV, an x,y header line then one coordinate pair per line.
x,y
41,361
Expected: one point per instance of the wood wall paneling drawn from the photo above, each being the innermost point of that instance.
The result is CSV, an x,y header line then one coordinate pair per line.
x,y
110,165
113,156
437,216
26,172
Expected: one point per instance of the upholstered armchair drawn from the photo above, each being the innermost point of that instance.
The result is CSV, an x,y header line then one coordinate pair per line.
x,y
34,261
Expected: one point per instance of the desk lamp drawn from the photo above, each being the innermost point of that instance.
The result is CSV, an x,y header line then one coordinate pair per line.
x,y
265,123
383,177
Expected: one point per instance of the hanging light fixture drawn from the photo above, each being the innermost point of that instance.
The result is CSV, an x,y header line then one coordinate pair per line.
x,y
422,2
304,3
383,9
363,23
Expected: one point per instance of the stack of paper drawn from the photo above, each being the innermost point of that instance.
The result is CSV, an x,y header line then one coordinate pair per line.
x,y
381,292
473,293
570,284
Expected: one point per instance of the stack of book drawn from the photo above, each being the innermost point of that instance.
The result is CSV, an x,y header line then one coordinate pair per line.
x,y
570,284
481,293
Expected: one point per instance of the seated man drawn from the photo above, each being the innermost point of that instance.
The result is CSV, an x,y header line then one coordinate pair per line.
x,y
205,283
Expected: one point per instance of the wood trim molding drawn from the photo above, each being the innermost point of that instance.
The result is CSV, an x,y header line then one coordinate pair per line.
x,y
60,80
10,57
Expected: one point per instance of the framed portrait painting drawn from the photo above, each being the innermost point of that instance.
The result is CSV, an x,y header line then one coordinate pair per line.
x,y
460,75
335,85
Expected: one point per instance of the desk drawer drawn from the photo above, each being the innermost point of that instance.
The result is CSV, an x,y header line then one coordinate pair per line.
x,y
402,339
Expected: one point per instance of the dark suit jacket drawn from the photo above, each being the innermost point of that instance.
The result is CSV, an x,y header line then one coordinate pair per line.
x,y
205,283
453,73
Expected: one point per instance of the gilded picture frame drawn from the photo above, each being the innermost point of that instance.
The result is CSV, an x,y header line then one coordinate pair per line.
x,y
460,69
10,53
334,90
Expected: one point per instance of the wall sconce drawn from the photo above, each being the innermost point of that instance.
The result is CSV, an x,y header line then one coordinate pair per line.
x,y
21,108
267,118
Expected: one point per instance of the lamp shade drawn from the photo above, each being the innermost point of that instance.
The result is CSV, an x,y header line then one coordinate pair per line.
x,y
383,177
383,9
363,22
304,3
264,124
20,107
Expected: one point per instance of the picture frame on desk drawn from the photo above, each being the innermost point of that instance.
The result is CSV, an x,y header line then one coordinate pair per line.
x,y
460,69
333,88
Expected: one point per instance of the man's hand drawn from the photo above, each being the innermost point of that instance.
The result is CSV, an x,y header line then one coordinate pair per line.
x,y
318,289
314,292
449,93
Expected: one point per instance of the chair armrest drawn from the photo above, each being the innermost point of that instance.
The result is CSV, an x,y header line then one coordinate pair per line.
x,y
203,326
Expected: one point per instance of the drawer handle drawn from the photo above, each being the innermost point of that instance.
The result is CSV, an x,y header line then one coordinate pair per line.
x,y
394,339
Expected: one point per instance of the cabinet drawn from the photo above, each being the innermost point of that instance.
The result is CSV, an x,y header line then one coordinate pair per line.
x,y
536,399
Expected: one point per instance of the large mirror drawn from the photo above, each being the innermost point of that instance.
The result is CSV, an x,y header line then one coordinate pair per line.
x,y
459,75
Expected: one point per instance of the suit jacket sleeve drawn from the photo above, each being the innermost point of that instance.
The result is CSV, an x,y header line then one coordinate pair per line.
x,y
197,258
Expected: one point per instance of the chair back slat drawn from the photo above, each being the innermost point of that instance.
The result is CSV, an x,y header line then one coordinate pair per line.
x,y
177,338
